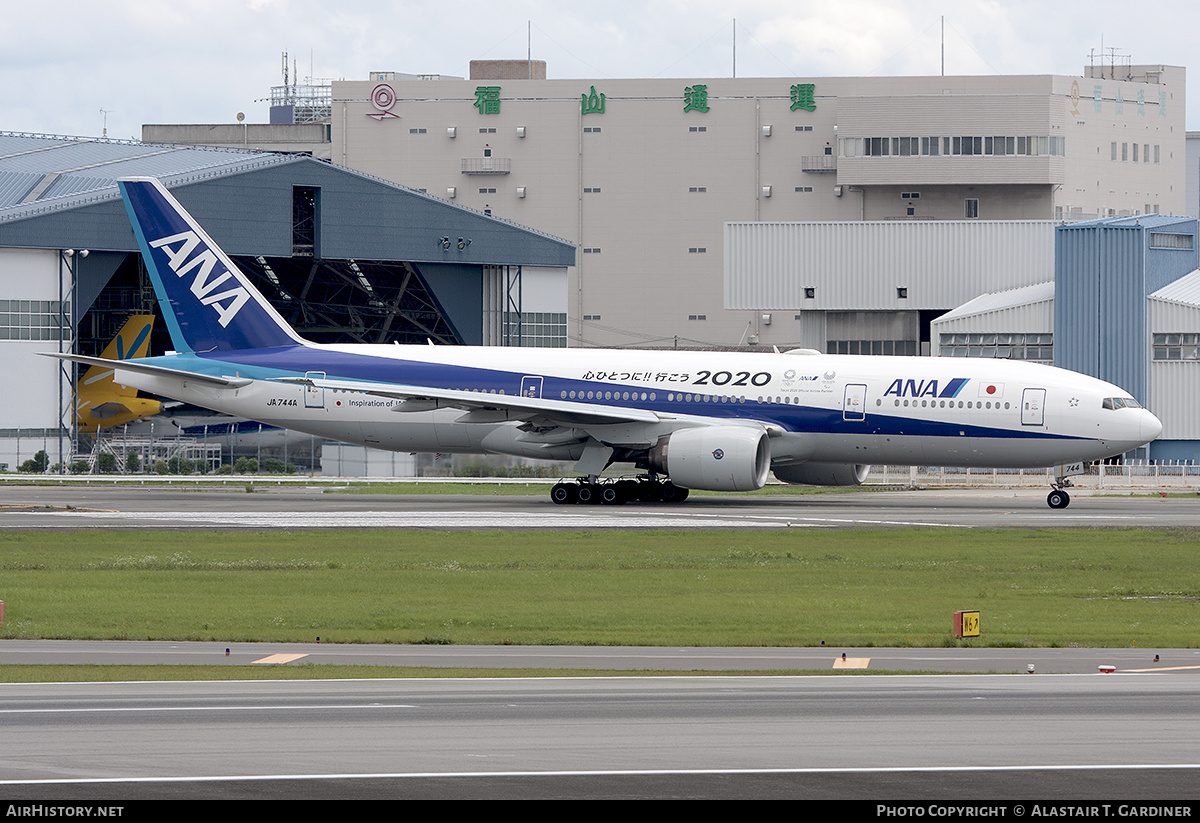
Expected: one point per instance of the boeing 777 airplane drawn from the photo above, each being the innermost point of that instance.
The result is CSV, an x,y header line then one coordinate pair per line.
x,y
684,420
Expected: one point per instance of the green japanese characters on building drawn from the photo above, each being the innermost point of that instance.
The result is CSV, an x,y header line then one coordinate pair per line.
x,y
695,98
802,96
592,103
487,99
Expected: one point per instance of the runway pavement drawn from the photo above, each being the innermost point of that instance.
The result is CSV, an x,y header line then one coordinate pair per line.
x,y
156,507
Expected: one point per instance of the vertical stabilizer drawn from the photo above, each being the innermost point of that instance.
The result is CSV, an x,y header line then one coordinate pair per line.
x,y
101,402
208,304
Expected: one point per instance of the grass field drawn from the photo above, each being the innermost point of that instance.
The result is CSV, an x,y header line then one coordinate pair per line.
x,y
790,587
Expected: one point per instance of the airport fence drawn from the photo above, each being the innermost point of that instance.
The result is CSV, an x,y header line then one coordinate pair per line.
x,y
1184,476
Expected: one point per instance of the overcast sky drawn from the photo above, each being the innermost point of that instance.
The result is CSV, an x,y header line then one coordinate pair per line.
x,y
203,61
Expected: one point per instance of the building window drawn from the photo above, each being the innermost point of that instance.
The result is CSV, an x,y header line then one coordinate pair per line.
x,y
803,189
546,330
591,317
1164,240
697,189
487,191
34,320
697,317
803,128
698,250
305,216
1177,346
1035,347
591,189
418,131
901,348
592,250
972,208
697,128
1114,150
963,146
487,131
591,129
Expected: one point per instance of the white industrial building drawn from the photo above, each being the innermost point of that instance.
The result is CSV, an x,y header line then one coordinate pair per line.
x,y
643,175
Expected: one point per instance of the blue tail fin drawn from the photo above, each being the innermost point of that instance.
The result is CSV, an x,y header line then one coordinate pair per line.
x,y
207,302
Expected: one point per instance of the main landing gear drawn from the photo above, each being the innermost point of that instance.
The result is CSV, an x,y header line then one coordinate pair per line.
x,y
616,492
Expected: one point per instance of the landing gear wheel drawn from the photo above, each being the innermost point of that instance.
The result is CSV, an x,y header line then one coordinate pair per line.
x,y
610,495
670,493
564,493
649,491
1058,499
587,494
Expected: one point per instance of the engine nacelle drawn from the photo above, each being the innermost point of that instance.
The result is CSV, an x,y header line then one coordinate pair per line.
x,y
823,474
718,458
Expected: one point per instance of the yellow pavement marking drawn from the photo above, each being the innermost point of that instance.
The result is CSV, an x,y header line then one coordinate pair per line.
x,y
1163,669
851,662
280,658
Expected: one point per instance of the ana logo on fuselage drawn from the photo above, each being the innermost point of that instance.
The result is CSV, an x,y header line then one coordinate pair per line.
x,y
925,388
226,303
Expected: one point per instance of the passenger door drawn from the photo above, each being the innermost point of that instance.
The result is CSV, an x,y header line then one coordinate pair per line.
x,y
854,403
1033,403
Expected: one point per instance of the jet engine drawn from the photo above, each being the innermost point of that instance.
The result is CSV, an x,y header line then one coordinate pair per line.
x,y
823,474
718,458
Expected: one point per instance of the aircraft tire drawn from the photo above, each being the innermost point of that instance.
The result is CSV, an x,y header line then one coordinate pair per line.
x,y
610,495
1058,499
670,493
649,491
564,493
587,494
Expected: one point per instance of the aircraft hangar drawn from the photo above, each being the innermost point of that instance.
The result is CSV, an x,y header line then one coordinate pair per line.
x,y
344,257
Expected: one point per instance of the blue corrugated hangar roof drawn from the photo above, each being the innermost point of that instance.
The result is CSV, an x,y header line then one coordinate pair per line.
x,y
61,193
39,172
243,199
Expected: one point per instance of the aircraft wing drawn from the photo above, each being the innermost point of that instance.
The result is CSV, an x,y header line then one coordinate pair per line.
x,y
489,408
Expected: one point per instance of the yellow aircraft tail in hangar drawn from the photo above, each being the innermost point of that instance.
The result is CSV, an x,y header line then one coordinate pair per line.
x,y
102,403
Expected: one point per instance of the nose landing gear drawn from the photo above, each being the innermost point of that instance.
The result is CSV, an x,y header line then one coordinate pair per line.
x,y
1059,499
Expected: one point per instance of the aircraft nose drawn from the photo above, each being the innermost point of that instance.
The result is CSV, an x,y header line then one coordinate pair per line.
x,y
1151,426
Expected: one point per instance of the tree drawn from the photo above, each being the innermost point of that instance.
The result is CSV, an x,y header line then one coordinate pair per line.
x,y
37,464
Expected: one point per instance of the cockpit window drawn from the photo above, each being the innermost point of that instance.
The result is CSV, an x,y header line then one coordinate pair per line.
x,y
1121,403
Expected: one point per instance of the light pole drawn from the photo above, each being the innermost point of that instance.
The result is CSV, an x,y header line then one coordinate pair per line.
x,y
68,259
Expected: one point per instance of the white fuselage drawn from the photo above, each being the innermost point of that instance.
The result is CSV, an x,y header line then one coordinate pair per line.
x,y
816,408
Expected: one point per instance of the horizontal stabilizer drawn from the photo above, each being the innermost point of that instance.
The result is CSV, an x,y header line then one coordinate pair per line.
x,y
157,371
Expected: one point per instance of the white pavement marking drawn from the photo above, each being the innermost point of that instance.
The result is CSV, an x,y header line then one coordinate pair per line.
x,y
475,520
607,773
